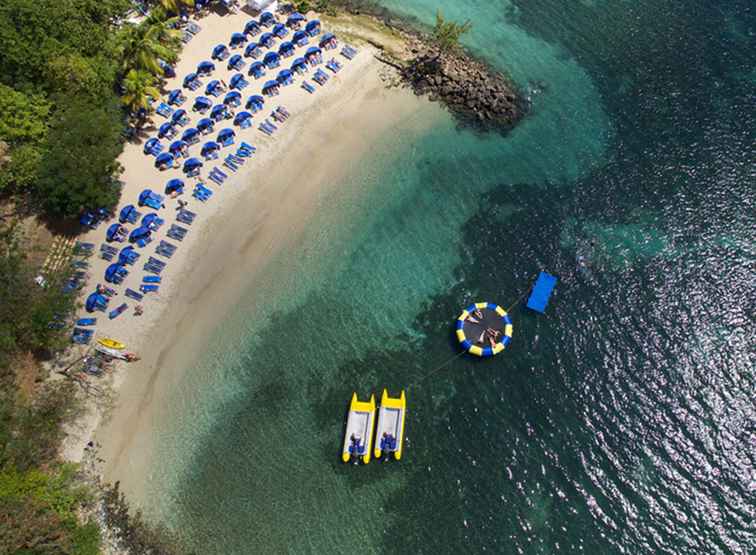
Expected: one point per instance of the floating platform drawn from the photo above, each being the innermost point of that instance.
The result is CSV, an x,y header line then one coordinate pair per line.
x,y
539,296
389,435
358,436
475,324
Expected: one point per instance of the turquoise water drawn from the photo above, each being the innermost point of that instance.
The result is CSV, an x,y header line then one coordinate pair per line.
x,y
623,421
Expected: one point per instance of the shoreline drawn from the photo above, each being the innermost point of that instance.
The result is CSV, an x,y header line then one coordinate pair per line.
x,y
260,211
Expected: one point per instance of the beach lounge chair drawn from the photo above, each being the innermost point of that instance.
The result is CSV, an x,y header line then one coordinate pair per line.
x,y
306,85
165,249
147,288
153,146
185,216
115,313
83,249
349,52
164,110
215,179
86,322
333,65
152,279
131,294
81,336
202,193
177,233
230,165
192,27
186,37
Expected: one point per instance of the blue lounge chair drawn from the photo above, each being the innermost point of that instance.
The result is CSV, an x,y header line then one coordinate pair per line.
x,y
118,311
86,322
308,87
152,279
130,293
164,110
176,97
146,288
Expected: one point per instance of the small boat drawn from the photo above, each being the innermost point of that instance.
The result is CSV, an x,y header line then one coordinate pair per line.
x,y
111,343
389,435
359,430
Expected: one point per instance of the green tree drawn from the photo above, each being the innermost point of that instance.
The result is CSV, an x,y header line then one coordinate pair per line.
x,y
22,117
446,34
138,86
174,6
140,46
79,168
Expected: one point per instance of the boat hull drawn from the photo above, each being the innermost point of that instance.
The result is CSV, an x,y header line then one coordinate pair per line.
x,y
391,415
358,437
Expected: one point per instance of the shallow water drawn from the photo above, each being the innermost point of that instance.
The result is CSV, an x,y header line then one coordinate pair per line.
x,y
622,421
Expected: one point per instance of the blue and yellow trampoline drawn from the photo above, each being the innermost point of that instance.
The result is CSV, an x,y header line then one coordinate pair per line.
x,y
484,329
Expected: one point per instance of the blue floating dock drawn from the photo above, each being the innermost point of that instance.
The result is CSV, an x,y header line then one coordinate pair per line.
x,y
539,296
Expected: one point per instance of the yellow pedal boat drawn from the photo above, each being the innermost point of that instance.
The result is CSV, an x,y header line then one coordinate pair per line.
x,y
389,435
111,343
358,437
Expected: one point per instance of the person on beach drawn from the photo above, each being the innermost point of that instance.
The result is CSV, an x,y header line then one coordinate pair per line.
x,y
182,204
138,310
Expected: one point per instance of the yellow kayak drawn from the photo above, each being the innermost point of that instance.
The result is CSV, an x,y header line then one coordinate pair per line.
x,y
111,343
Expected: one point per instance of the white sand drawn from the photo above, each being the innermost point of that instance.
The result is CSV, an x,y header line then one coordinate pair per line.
x,y
259,211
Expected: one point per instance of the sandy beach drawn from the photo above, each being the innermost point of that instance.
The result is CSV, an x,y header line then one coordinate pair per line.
x,y
259,211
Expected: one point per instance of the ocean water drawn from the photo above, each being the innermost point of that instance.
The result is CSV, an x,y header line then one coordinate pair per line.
x,y
623,421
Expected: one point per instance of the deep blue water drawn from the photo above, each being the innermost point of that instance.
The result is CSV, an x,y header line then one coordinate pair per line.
x,y
623,421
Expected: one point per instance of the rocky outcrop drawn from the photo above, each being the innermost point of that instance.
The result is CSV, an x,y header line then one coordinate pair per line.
x,y
469,88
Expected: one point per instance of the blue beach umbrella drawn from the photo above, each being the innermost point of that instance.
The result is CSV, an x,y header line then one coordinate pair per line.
x,y
299,65
284,77
295,19
212,86
312,51
270,85
241,117
202,103
150,144
271,59
220,52
232,99
165,130
218,112
189,79
266,40
234,61
126,254
178,116
286,48
192,164
177,146
209,147
150,219
313,27
95,301
256,70
252,50
174,96
280,30
173,185
114,272
127,214
205,68
236,80
328,37
255,101
266,18
164,159
139,233
252,28
112,232
190,135
226,134
300,38
205,124
238,39
144,196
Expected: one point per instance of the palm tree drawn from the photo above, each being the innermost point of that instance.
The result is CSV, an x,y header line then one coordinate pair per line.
x,y
138,85
446,34
142,45
174,6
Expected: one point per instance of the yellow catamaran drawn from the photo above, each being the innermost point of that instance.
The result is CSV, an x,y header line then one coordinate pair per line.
x,y
389,436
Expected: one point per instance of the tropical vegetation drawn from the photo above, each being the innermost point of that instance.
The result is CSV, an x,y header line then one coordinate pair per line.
x,y
447,34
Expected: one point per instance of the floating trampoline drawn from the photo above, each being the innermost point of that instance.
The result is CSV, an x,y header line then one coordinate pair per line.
x,y
471,329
